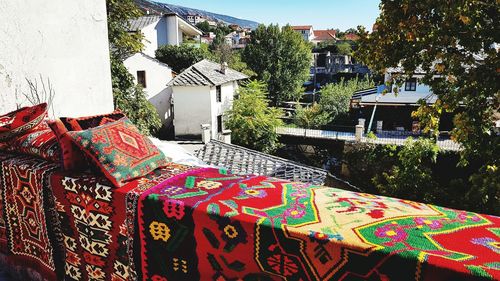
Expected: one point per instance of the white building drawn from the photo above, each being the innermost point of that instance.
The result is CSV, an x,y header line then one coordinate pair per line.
x,y
169,29
202,94
195,19
306,31
63,41
153,76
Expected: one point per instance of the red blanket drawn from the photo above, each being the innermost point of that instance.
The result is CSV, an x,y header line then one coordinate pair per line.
x,y
28,227
210,225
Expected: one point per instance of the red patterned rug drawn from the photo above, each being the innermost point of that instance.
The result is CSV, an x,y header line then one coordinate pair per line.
x,y
210,225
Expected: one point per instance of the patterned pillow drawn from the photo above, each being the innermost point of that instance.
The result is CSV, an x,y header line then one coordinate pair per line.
x,y
21,121
84,123
120,150
40,142
72,158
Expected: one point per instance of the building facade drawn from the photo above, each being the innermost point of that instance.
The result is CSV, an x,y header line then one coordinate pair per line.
x,y
202,95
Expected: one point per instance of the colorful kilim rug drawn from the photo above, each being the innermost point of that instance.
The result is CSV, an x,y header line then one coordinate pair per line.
x,y
98,221
28,223
206,224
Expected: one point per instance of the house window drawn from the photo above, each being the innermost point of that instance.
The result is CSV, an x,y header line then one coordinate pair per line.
x,y
411,84
218,94
141,78
219,124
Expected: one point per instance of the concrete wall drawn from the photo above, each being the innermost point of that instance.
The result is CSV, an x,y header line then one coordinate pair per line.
x,y
194,106
191,109
65,41
173,31
158,75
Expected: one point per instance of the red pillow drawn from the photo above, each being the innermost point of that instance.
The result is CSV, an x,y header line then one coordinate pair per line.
x,y
120,150
40,142
21,121
71,156
84,123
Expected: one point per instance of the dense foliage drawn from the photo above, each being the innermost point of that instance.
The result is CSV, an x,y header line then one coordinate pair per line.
x,y
252,121
418,171
127,96
336,98
312,117
452,40
181,57
281,58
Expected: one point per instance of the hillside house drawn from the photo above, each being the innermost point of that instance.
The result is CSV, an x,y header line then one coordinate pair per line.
x,y
321,36
153,76
306,31
195,19
167,29
393,111
202,94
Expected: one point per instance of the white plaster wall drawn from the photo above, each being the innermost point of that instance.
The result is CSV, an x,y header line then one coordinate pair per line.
x,y
172,30
65,41
228,91
150,38
158,75
192,107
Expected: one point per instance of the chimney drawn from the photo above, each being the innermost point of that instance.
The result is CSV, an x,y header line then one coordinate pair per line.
x,y
147,11
223,67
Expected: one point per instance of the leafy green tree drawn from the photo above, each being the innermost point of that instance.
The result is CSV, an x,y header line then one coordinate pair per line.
x,y
281,58
127,96
452,40
336,98
181,57
344,48
252,121
236,63
312,117
204,26
412,177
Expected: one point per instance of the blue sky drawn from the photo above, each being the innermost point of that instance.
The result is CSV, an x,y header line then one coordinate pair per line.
x,y
322,14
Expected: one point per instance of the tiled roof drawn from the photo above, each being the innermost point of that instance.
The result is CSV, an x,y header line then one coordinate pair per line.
x,y
139,23
324,35
351,36
302,27
206,73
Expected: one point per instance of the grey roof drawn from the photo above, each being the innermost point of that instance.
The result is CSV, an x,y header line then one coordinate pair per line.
x,y
141,22
206,73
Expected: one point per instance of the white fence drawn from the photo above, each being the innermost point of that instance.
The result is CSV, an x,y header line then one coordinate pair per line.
x,y
445,144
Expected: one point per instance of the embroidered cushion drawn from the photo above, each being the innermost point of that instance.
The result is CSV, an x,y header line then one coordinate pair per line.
x,y
84,123
21,121
120,150
72,158
39,142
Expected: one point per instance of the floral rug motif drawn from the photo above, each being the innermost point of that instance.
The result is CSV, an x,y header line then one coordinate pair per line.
x,y
207,224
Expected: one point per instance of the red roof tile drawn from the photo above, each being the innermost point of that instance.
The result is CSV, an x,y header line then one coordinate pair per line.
x,y
324,35
302,27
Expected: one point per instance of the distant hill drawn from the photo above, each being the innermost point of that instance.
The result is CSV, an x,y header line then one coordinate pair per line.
x,y
158,8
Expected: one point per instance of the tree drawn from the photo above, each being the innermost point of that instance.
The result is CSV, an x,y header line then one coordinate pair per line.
x,y
281,58
204,26
238,64
412,177
336,98
252,121
344,48
181,57
311,117
127,96
454,41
